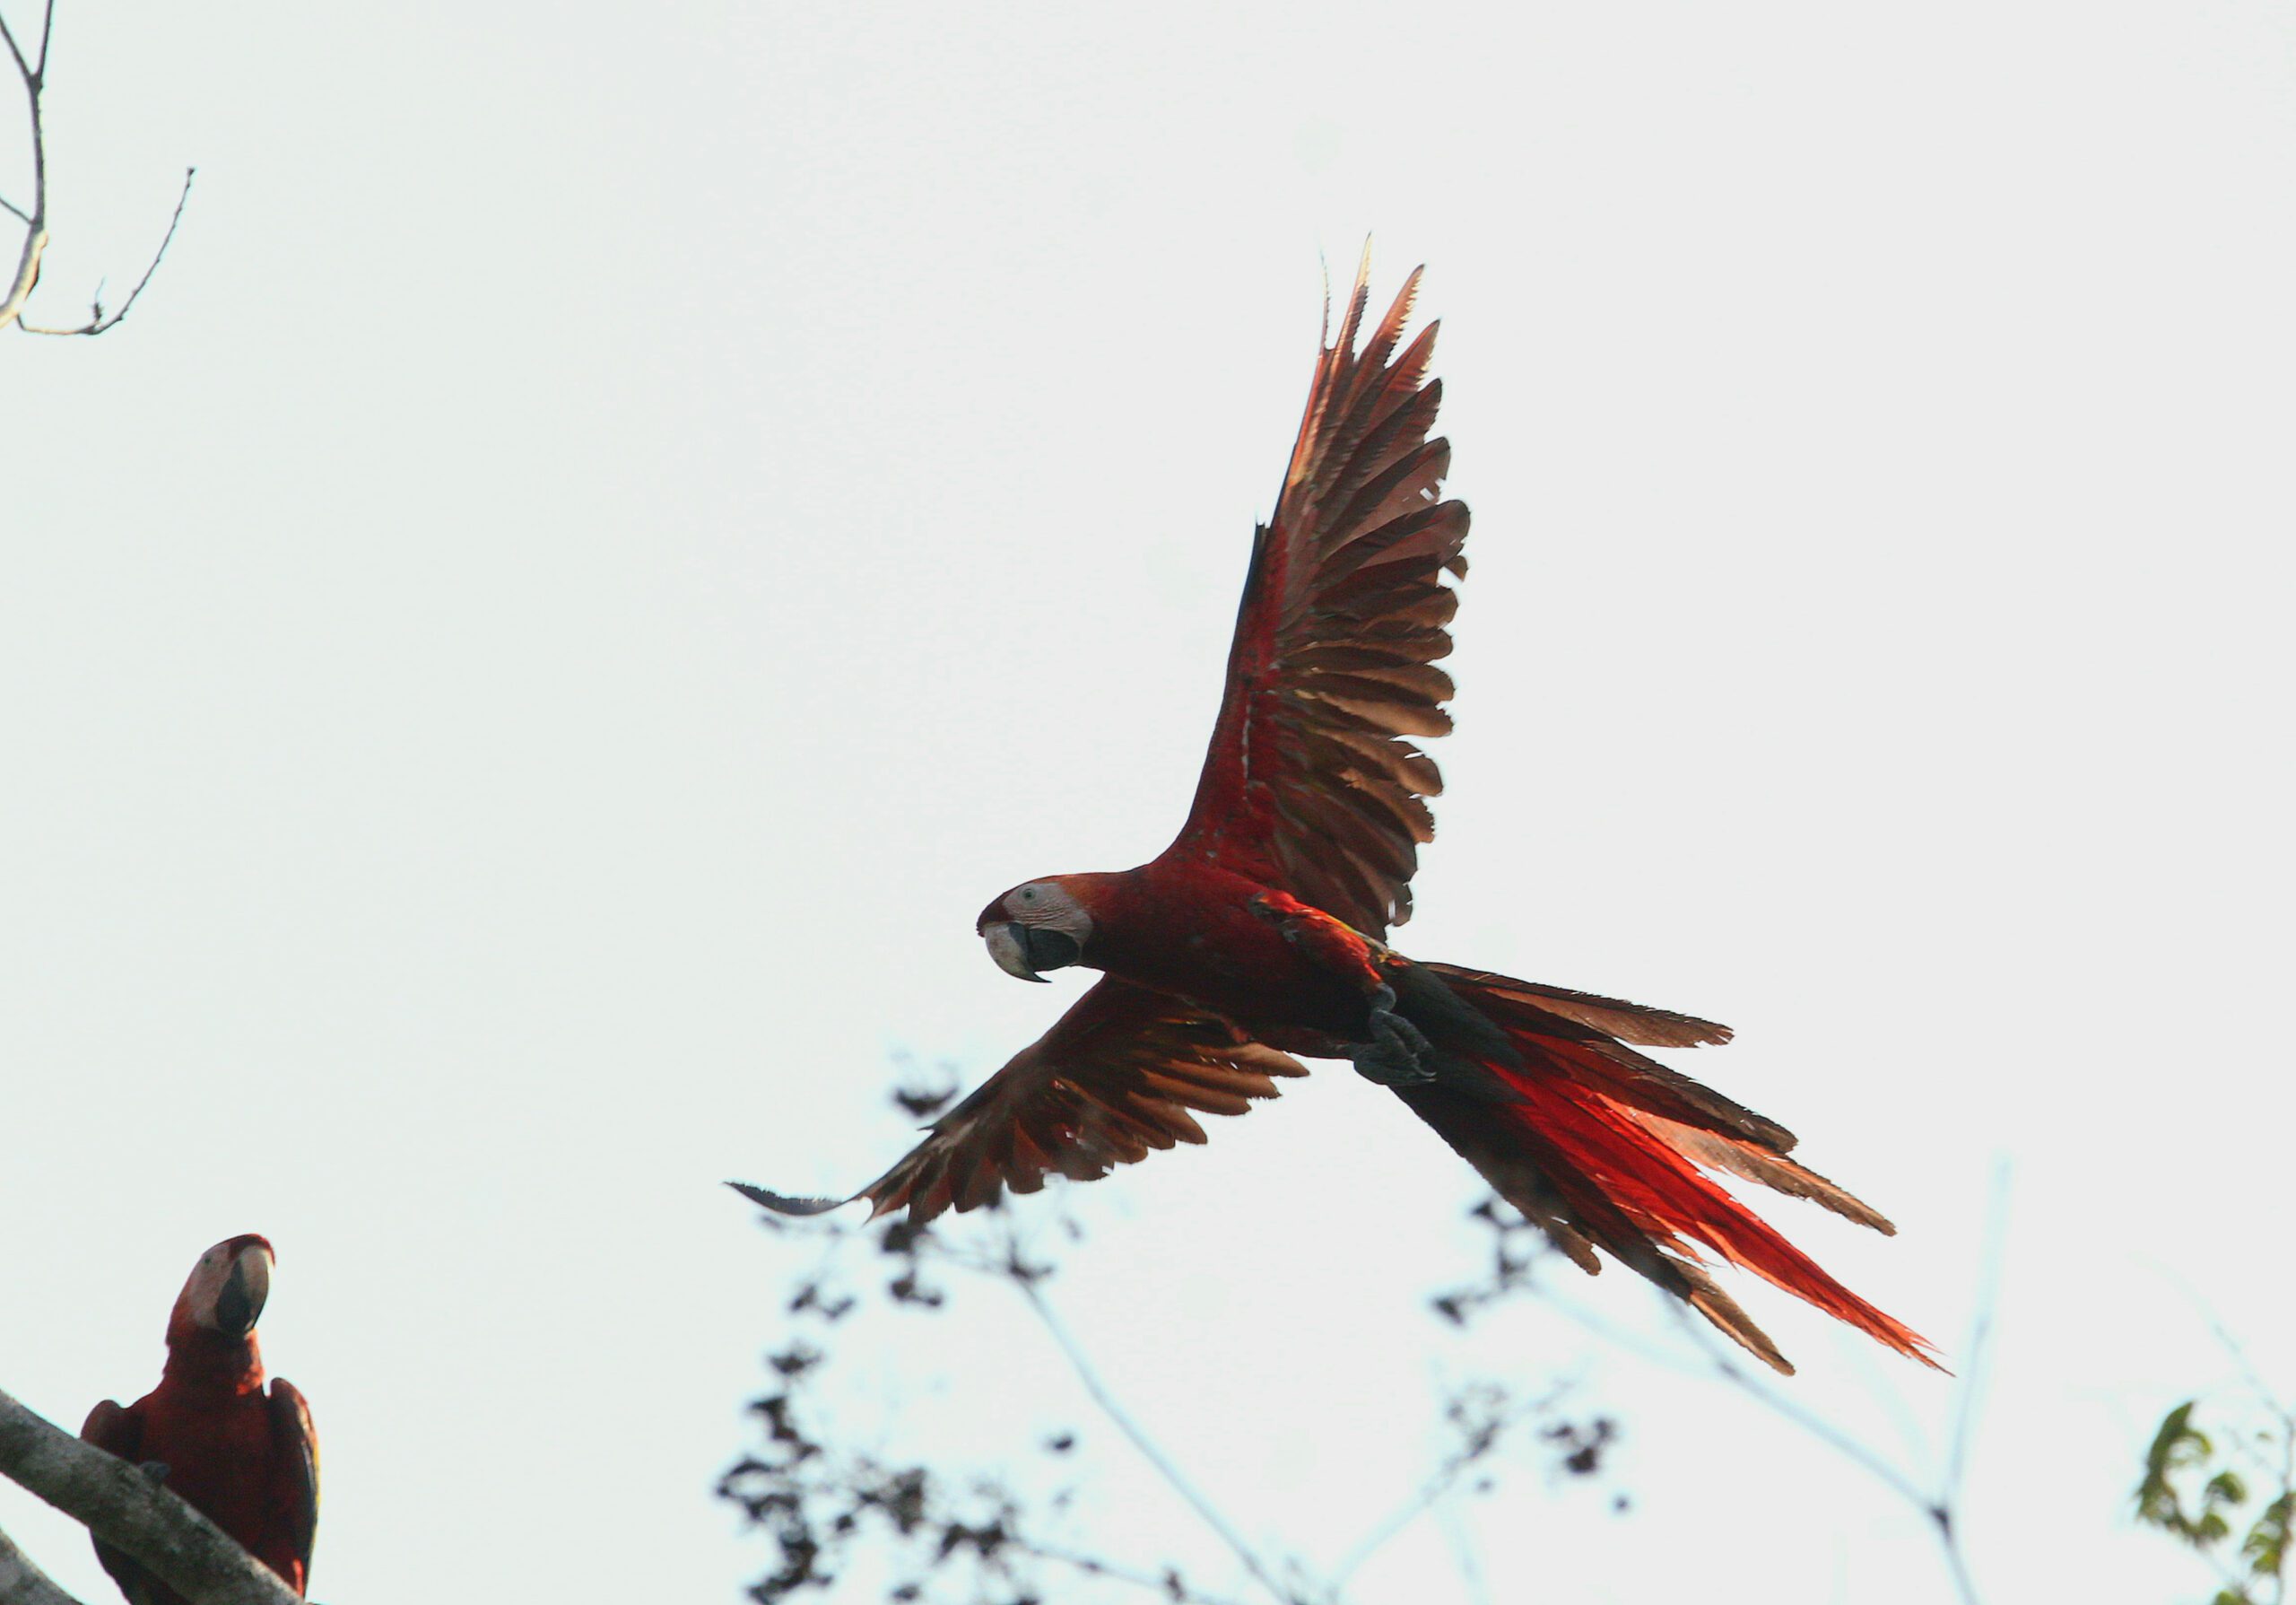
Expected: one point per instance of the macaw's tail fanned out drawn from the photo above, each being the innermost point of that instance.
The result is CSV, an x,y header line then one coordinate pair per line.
x,y
1604,1148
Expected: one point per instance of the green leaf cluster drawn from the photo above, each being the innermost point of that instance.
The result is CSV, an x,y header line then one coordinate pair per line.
x,y
2190,1491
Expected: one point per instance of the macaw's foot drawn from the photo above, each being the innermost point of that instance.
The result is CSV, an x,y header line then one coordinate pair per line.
x,y
1398,1055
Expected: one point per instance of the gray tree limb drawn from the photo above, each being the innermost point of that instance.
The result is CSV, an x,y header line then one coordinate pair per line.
x,y
128,1510
23,1583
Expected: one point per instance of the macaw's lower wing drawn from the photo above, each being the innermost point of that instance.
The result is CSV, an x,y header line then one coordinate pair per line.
x,y
1115,1078
294,1491
114,1429
119,1430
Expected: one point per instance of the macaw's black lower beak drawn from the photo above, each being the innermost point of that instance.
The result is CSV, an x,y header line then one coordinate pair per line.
x,y
1049,949
240,1301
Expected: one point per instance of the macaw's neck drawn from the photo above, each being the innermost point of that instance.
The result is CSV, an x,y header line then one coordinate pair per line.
x,y
209,1362
1190,928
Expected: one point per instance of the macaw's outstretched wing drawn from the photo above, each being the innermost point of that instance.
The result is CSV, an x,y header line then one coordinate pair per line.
x,y
1312,783
1116,1077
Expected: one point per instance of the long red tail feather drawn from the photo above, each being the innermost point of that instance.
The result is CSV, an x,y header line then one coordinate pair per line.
x,y
1596,1150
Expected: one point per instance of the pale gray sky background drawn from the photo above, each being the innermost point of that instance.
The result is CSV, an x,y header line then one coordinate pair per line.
x,y
615,531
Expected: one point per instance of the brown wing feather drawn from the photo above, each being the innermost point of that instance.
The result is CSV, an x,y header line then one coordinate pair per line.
x,y
1613,1016
119,1430
1313,783
1719,1151
1114,1080
115,1429
295,1474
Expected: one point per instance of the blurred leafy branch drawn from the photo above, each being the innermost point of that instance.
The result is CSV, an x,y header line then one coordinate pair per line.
x,y
2229,1494
943,1531
947,1532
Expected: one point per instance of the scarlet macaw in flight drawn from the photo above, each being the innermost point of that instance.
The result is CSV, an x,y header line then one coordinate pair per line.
x,y
1259,933
244,1457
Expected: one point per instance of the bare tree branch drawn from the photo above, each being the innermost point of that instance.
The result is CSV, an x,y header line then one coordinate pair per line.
x,y
23,1583
128,1510
1512,1274
47,27
1946,1512
34,76
27,273
1167,1583
1173,1476
1942,1509
821,1500
98,319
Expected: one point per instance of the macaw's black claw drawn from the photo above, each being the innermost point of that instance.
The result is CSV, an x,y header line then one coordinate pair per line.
x,y
1398,1053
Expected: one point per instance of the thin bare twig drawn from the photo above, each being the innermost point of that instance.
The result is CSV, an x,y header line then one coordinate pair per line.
x,y
1935,1509
34,76
1165,1466
27,273
2282,1467
1167,1583
783,1486
1941,1510
1456,1465
30,74
1809,1421
97,321
1454,1521
1980,1345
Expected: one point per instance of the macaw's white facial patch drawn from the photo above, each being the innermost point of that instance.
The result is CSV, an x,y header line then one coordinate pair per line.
x,y
1051,906
229,1286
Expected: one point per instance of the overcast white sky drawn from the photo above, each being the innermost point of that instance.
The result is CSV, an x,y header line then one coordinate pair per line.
x,y
615,531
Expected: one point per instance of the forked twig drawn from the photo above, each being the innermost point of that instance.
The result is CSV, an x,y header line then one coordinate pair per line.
x,y
33,73
1940,1509
97,320
1023,1276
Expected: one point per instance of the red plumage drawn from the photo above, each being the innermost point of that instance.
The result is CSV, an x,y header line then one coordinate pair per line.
x,y
243,1455
1642,1196
1259,933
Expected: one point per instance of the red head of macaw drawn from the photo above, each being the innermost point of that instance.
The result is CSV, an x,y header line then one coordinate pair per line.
x,y
244,1455
1260,932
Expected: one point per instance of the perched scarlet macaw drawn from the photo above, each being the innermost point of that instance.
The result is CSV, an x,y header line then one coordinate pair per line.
x,y
245,1457
1257,933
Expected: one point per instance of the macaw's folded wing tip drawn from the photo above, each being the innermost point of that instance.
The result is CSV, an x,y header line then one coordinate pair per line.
x,y
783,1204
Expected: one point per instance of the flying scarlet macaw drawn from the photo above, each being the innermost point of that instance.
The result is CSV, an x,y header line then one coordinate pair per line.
x,y
1259,933
245,1457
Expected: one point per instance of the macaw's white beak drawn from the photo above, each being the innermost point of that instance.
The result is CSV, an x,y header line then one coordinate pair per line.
x,y
1007,942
